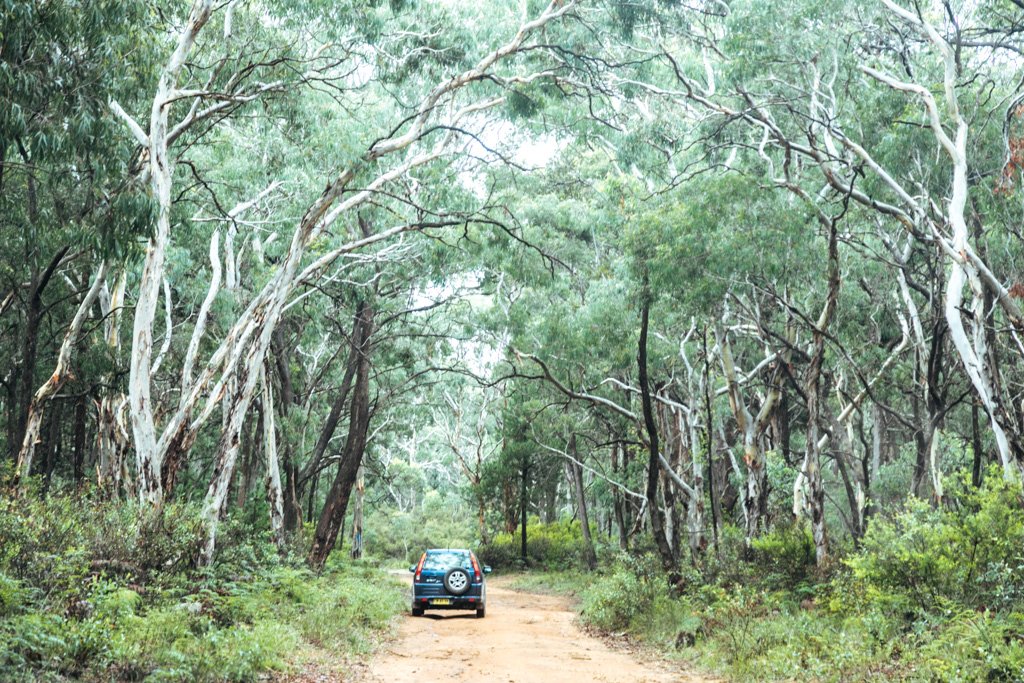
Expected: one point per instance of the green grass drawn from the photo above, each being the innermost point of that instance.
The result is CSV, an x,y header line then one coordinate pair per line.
x,y
566,582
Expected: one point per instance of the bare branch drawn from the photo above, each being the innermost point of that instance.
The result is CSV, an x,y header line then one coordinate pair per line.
x,y
133,125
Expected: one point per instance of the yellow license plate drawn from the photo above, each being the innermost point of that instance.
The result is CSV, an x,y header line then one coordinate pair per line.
x,y
442,601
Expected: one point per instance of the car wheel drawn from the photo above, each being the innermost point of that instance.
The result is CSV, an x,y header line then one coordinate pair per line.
x,y
480,612
456,581
417,611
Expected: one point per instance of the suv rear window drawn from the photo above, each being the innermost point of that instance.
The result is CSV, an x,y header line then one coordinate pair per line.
x,y
442,561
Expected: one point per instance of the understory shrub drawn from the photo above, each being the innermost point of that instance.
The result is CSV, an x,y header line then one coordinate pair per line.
x,y
971,646
558,545
54,545
617,599
83,595
969,552
934,594
787,553
404,536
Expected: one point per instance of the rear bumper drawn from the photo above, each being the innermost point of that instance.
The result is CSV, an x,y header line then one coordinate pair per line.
x,y
432,596
454,603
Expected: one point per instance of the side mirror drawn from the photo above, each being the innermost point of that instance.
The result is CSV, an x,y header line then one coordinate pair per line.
x,y
487,570
412,568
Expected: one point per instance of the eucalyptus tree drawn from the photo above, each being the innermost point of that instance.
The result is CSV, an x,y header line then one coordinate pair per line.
x,y
583,318
67,212
765,93
467,422
808,118
425,132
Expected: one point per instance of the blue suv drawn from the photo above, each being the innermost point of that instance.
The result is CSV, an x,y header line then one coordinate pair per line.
x,y
449,579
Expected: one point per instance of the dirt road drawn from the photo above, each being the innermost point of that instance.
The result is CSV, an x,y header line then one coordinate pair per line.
x,y
525,638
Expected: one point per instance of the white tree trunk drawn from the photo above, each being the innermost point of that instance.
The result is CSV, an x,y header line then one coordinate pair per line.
x,y
357,514
112,307
751,429
232,370
148,458
275,495
965,266
199,330
257,325
695,510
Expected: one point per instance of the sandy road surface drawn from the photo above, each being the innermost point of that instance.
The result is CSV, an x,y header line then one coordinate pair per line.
x,y
525,638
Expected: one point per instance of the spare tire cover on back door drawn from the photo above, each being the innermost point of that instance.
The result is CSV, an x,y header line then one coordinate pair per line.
x,y
456,581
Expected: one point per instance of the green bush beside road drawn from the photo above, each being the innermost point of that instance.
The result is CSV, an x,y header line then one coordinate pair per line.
x,y
933,594
86,593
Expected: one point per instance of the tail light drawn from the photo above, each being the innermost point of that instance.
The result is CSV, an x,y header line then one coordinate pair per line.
x,y
476,569
419,567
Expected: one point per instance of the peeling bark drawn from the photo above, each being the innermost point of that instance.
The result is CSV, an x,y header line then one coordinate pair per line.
x,y
231,370
811,469
29,353
357,515
111,445
966,268
275,496
751,429
148,457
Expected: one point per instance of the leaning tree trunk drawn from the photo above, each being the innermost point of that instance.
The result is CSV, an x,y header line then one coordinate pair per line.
x,y
309,473
332,516
967,269
235,360
976,352
228,448
29,355
260,320
60,375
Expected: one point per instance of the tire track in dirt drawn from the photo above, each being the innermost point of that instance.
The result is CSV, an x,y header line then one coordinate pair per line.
x,y
525,638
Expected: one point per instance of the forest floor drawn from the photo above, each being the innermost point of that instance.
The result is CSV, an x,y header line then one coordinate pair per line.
x,y
525,638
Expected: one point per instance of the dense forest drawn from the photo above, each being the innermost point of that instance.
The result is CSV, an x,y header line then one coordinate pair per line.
x,y
710,312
